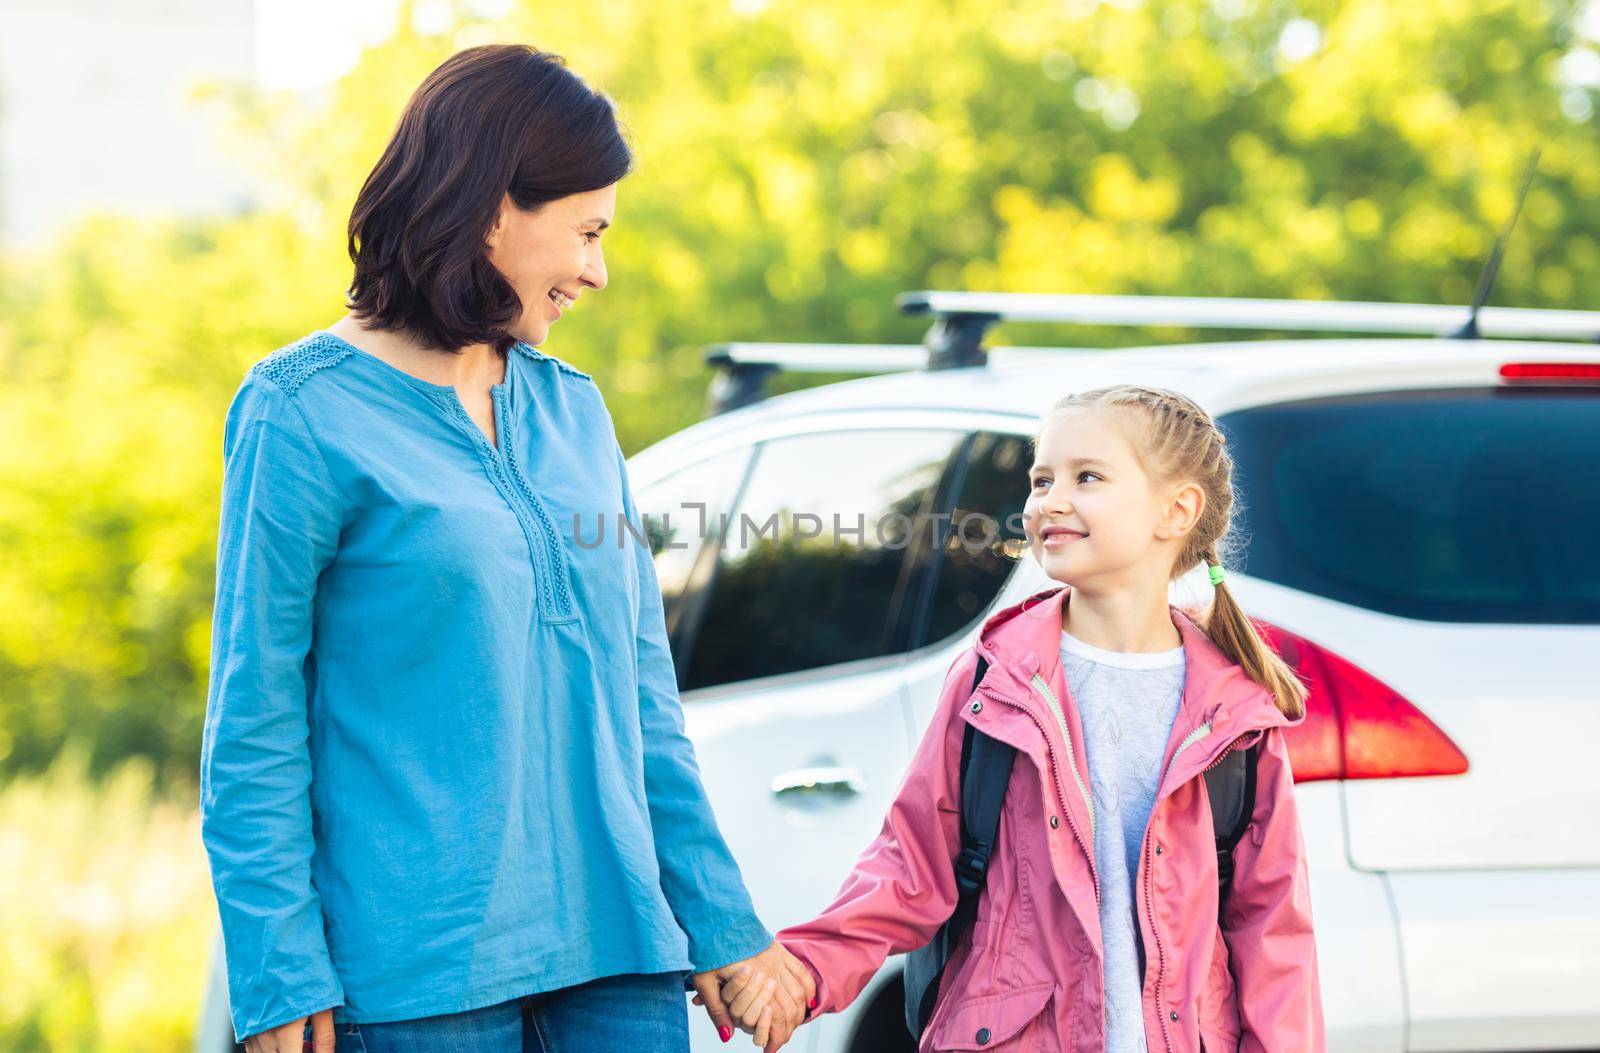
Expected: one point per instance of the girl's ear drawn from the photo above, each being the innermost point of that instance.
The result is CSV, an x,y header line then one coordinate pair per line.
x,y
1185,504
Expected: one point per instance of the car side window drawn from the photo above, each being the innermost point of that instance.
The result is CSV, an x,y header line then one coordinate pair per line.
x,y
986,539
813,567
681,513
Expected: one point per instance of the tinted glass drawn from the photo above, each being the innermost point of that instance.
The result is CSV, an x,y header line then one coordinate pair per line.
x,y
677,525
986,538
813,570
1456,506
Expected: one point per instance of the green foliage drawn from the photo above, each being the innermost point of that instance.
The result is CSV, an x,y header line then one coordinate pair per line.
x,y
799,163
109,913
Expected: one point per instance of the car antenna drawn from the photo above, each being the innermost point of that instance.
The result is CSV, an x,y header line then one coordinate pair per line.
x,y
1492,269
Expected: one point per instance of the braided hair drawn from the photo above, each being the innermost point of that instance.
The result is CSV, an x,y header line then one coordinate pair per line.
x,y
1174,438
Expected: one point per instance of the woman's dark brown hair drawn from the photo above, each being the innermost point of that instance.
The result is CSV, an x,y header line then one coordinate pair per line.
x,y
491,120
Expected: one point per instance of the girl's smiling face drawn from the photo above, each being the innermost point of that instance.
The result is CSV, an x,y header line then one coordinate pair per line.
x,y
554,249
1093,514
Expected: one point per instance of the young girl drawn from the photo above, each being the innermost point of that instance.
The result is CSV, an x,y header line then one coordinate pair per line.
x,y
1098,928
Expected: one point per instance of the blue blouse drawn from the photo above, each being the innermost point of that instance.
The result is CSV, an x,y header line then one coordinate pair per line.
x,y
444,762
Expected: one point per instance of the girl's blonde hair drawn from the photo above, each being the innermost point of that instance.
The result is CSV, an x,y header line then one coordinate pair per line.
x,y
1174,438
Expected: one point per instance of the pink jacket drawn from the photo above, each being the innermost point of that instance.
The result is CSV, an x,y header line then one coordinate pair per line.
x,y
1029,975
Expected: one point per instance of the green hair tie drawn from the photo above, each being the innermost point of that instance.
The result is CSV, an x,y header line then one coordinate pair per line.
x,y
1216,574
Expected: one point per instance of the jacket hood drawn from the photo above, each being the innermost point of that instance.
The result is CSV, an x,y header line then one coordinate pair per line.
x,y
1025,638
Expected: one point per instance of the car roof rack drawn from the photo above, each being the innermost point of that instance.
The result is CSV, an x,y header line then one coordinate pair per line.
x,y
961,320
743,369
962,317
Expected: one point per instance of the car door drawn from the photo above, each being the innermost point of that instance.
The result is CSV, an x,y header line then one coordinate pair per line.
x,y
790,623
977,562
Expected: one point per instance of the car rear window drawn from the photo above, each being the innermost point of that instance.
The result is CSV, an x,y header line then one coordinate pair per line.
x,y
1466,505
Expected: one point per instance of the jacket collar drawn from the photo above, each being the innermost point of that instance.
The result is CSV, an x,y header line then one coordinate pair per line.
x,y
1025,639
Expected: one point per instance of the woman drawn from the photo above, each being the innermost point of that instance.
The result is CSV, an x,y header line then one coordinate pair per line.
x,y
445,789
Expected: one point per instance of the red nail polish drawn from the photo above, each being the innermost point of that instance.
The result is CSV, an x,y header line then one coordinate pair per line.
x,y
813,1003
725,1033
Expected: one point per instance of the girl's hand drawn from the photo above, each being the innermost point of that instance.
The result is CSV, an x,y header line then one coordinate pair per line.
x,y
791,993
749,998
732,979
763,1032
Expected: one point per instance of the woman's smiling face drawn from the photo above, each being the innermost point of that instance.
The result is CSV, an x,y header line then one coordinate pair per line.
x,y
550,254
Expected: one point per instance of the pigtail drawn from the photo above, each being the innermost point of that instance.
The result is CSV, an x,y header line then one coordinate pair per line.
x,y
1235,636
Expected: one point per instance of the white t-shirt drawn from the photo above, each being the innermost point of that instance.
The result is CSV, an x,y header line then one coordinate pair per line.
x,y
1127,701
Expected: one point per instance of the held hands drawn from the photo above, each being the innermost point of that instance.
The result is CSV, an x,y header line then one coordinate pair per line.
x,y
766,996
290,1037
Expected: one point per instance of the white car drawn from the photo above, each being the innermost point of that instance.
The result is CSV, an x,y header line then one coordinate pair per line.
x,y
1421,519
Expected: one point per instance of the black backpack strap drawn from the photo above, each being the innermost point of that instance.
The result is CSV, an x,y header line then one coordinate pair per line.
x,y
983,792
985,772
1231,786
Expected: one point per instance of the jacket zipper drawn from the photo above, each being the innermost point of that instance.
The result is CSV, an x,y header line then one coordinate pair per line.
x,y
1042,685
1188,740
1055,778
1149,903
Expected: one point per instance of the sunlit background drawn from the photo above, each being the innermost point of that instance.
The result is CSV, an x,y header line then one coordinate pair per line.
x,y
175,177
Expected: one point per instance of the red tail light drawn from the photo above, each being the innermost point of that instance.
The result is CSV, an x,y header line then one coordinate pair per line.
x,y
1356,726
1551,372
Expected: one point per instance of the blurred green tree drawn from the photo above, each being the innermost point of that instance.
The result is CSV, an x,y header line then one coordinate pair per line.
x,y
799,163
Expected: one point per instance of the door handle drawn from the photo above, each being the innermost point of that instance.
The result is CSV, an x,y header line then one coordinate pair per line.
x,y
822,781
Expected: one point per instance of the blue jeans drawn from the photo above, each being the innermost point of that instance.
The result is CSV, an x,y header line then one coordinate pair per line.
x,y
648,1013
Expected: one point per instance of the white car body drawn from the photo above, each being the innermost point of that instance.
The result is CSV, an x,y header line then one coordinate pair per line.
x,y
1452,913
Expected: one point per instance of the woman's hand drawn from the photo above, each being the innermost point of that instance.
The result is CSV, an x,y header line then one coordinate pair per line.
x,y
768,995
291,1037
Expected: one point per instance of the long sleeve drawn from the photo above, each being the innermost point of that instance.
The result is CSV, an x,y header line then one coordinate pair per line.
x,y
1267,919
279,527
699,876
903,886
